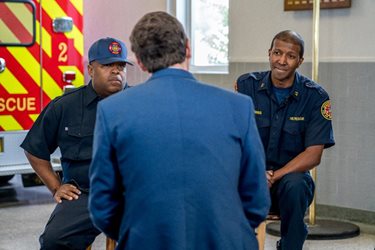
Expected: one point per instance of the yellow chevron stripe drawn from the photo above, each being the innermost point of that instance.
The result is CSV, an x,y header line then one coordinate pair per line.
x,y
7,122
33,116
11,83
54,10
46,42
78,4
7,34
79,81
50,87
22,14
37,32
24,57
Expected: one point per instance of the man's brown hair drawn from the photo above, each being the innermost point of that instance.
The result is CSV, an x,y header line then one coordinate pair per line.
x,y
158,41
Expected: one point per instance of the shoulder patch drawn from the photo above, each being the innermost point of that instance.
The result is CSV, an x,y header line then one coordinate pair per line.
x,y
325,110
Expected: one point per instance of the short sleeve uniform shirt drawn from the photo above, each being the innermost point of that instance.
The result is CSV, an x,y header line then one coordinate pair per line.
x,y
68,123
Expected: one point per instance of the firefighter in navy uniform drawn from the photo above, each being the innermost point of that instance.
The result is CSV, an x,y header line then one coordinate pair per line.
x,y
68,123
293,116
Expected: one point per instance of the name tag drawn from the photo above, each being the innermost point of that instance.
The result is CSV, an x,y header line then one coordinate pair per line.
x,y
258,112
297,118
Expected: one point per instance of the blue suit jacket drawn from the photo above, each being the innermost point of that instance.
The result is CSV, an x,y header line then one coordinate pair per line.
x,y
178,164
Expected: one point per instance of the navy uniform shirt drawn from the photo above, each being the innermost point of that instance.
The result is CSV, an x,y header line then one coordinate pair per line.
x,y
68,123
287,128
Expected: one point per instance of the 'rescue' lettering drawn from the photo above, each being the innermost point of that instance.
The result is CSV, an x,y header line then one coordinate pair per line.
x,y
17,104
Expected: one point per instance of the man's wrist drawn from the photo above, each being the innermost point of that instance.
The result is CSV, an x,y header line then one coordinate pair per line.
x,y
54,190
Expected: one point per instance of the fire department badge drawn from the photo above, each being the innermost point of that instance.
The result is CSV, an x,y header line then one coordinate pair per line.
x,y
325,109
115,48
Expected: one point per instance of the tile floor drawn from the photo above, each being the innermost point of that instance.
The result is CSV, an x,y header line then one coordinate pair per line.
x,y
24,212
21,226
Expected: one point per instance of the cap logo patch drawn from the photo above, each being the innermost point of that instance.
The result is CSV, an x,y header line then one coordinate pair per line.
x,y
115,48
325,109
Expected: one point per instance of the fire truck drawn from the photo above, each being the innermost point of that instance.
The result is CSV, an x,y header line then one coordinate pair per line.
x,y
41,54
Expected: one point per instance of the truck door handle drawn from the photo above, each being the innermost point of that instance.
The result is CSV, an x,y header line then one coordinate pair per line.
x,y
2,64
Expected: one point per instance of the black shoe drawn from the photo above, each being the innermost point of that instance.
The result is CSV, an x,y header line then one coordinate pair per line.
x,y
278,245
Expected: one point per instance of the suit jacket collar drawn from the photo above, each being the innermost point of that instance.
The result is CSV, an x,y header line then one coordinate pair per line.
x,y
172,72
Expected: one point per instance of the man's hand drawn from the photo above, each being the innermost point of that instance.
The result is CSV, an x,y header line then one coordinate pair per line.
x,y
270,180
67,192
303,162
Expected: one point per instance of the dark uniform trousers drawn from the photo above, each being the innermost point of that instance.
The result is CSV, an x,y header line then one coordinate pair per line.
x,y
67,123
291,196
69,226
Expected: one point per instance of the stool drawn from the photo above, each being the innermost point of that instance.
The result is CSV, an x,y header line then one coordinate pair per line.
x,y
109,244
261,229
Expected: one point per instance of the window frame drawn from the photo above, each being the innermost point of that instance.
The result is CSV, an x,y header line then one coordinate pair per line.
x,y
20,44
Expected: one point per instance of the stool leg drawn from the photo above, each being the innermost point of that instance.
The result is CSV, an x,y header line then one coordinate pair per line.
x,y
261,235
110,244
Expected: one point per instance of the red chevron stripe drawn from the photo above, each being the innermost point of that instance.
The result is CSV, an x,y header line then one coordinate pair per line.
x,y
50,63
22,76
19,73
23,119
72,12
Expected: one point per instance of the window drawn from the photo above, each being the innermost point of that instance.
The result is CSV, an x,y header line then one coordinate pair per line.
x,y
17,23
206,22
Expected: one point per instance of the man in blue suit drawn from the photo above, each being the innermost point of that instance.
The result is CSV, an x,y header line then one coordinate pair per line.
x,y
177,164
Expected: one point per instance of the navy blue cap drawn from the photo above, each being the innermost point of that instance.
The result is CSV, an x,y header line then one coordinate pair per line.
x,y
108,50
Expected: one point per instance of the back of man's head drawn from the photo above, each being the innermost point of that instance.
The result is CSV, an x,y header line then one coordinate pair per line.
x,y
158,41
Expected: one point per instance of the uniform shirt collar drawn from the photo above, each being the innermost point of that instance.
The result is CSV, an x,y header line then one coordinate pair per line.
x,y
266,85
90,95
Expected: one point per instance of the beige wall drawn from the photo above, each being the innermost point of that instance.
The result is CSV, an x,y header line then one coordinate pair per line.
x,y
345,34
347,71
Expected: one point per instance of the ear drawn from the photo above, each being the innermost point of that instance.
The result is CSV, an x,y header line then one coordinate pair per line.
x,y
269,52
188,49
90,70
140,64
300,61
